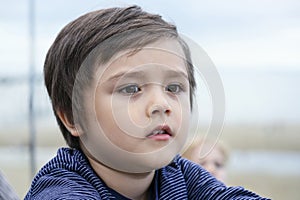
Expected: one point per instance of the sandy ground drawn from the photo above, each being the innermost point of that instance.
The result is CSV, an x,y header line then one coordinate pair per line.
x,y
14,158
274,187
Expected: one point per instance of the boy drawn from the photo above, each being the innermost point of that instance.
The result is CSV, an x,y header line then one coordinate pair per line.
x,y
121,84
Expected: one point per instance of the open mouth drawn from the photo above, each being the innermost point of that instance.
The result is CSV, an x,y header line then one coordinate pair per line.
x,y
161,130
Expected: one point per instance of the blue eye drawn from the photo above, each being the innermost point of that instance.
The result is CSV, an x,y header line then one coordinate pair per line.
x,y
174,88
130,89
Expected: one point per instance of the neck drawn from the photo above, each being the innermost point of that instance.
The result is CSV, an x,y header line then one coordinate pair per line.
x,y
132,185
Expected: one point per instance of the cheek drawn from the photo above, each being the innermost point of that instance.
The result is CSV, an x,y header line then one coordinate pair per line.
x,y
183,112
126,117
112,118
105,113
104,121
136,113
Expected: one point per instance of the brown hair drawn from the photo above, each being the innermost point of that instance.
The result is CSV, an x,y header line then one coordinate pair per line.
x,y
120,28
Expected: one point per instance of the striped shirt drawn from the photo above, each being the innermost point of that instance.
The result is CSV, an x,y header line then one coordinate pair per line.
x,y
68,176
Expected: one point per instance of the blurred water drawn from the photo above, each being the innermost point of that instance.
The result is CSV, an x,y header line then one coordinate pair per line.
x,y
267,162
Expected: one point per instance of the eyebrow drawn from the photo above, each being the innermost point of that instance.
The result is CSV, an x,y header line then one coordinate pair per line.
x,y
141,75
137,74
177,73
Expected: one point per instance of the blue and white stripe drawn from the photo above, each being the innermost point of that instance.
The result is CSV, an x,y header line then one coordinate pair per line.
x,y
69,176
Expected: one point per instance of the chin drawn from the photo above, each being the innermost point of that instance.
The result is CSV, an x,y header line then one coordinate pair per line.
x,y
159,159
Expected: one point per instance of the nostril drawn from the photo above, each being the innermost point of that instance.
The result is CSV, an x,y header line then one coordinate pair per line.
x,y
156,111
168,111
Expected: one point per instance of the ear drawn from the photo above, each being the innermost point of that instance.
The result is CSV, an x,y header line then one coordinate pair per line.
x,y
69,126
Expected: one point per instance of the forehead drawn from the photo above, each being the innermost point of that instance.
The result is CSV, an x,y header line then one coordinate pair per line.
x,y
167,53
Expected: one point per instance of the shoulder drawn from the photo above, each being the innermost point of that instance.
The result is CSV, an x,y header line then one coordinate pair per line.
x,y
67,176
192,172
187,177
197,183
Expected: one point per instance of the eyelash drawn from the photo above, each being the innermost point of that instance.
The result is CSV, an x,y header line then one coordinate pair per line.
x,y
178,88
131,86
132,89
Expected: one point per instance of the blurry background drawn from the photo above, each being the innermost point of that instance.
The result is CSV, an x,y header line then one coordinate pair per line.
x,y
255,46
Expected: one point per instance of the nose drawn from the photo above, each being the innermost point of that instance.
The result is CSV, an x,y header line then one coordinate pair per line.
x,y
211,168
158,104
158,109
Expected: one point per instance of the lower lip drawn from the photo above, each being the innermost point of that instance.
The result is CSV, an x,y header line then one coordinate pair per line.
x,y
160,137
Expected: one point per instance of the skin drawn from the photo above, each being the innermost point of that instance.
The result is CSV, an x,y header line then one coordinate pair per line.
x,y
212,160
133,95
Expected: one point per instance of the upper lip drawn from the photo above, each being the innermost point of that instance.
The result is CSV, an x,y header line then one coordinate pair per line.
x,y
162,128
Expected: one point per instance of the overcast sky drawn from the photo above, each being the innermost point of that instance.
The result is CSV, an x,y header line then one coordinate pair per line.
x,y
263,34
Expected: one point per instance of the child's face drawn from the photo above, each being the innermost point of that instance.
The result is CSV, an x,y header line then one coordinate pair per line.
x,y
214,161
139,121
